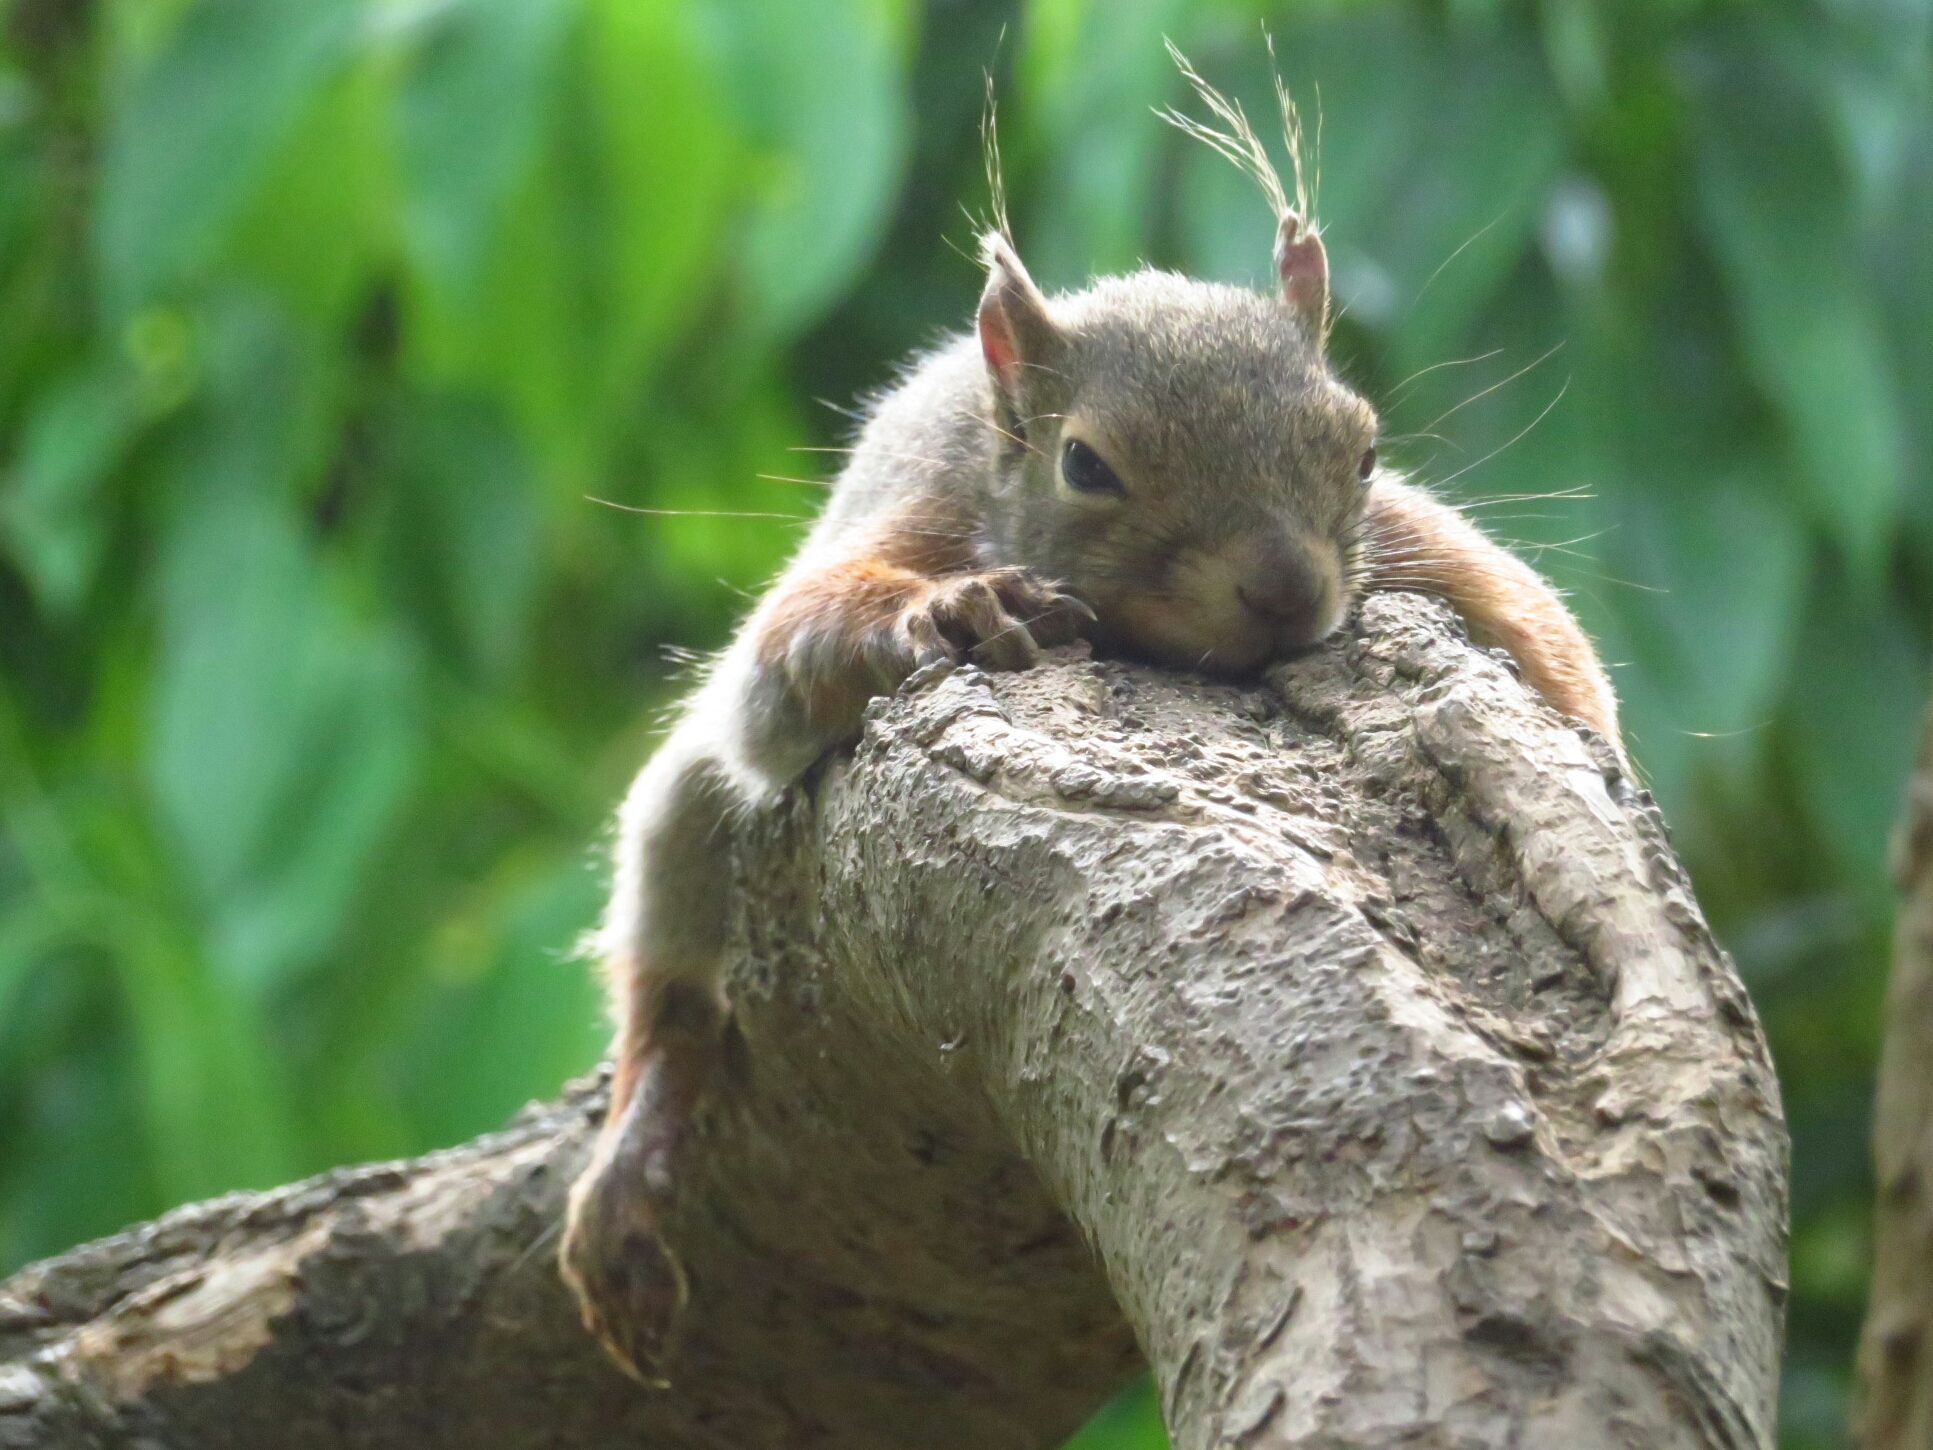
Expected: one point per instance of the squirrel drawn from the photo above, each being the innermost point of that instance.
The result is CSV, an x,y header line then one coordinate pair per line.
x,y
1167,467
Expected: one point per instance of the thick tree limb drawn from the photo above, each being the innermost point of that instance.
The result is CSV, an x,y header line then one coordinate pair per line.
x,y
1350,1047
1895,1356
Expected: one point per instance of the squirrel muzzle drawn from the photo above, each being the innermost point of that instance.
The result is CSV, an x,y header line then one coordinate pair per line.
x,y
1230,608
1291,586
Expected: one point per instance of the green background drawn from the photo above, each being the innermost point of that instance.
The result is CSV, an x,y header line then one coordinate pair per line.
x,y
324,326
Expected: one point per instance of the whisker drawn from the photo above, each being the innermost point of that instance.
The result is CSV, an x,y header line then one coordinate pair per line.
x,y
1040,367
1512,441
697,513
1474,236
1566,546
537,1246
871,449
1479,503
953,246
1494,386
787,478
1594,576
1016,440
1523,518
1456,362
1726,734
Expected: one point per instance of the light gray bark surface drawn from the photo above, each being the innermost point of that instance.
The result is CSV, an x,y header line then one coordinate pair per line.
x,y
1351,1047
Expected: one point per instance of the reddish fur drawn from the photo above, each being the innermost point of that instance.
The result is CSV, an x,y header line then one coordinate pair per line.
x,y
627,1061
852,598
854,605
1417,543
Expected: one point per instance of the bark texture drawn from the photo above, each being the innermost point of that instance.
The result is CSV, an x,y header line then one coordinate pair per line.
x,y
1895,1358
1351,1048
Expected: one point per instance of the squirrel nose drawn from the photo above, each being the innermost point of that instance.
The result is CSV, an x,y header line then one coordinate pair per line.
x,y
1283,585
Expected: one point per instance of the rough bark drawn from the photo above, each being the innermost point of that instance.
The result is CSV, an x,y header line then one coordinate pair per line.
x,y
1895,1358
1352,1048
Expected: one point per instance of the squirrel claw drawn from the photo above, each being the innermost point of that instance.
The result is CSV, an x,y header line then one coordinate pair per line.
x,y
629,1284
998,620
1060,619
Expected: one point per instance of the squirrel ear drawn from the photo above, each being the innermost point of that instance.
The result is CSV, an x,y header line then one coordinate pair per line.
x,y
1304,269
1015,328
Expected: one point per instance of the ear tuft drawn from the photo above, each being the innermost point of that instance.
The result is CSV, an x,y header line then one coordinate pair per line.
x,y
1303,266
1016,330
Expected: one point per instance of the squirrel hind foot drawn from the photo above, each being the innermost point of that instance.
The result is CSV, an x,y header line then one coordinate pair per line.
x,y
629,1283
630,1291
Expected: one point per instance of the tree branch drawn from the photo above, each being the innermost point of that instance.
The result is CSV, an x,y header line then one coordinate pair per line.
x,y
1895,1357
1352,1046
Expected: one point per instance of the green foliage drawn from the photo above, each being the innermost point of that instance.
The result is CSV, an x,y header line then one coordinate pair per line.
x,y
324,322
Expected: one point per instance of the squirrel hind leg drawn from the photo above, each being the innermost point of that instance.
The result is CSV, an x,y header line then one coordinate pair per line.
x,y
629,1284
664,942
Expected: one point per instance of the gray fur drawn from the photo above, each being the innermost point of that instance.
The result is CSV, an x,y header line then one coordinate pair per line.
x,y
1216,405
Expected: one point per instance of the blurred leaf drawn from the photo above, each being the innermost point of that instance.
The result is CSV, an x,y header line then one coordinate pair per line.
x,y
1468,205
715,470
283,731
821,90
195,130
29,931
1129,1421
316,224
1715,622
1906,305
466,539
216,1110
599,250
136,33
65,1062
1857,689
668,161
523,341
1098,72
1226,232
1364,83
1832,1258
1574,42
1876,76
1431,161
53,517
471,112
1779,219
1813,1401
513,1015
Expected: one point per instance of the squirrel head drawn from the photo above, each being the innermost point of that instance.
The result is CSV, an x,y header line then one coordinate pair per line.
x,y
1179,455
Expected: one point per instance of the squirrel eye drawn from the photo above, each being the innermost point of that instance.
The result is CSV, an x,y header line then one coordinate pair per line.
x,y
1368,465
1086,471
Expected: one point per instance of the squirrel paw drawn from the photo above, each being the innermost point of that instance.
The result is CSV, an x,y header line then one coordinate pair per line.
x,y
999,620
629,1284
